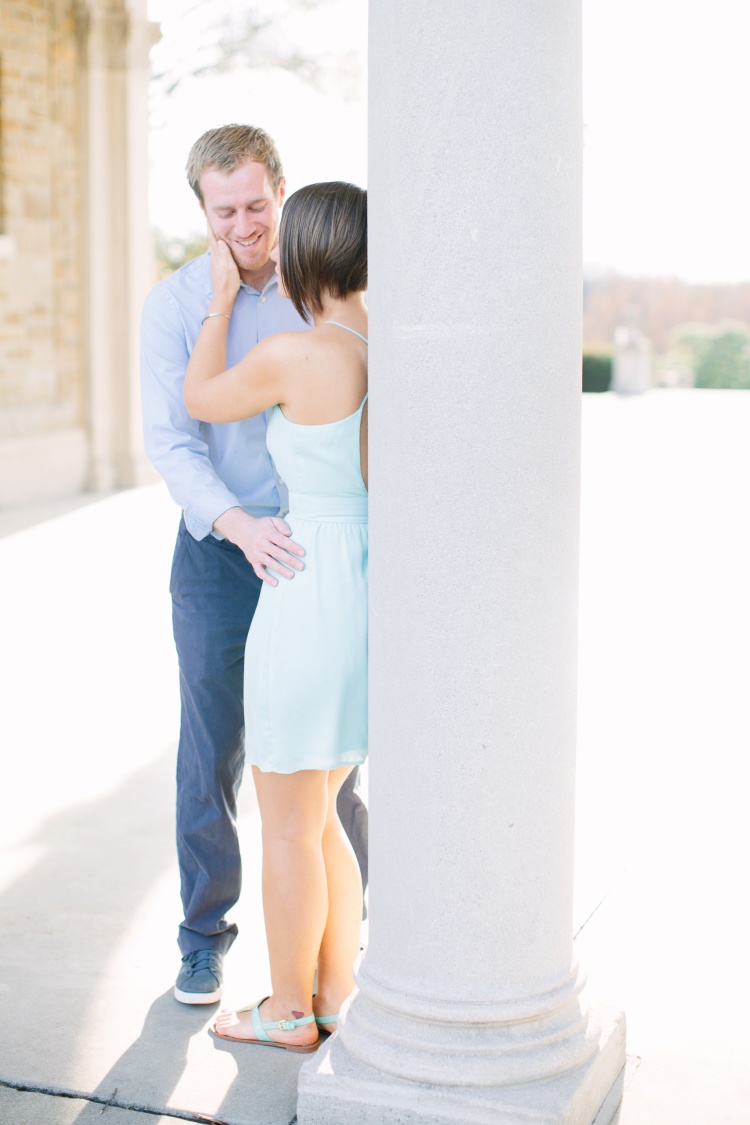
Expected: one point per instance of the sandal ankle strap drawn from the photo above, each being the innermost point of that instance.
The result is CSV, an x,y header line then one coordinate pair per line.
x,y
289,1025
261,1028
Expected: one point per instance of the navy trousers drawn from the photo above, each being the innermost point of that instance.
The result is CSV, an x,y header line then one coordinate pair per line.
x,y
214,594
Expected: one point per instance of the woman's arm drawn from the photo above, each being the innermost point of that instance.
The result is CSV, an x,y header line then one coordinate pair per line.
x,y
213,394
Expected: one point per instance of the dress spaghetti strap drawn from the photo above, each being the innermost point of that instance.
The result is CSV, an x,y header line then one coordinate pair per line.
x,y
346,328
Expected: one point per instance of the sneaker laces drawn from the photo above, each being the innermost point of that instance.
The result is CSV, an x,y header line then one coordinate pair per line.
x,y
201,959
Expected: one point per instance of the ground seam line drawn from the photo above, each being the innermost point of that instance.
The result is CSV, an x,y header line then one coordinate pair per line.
x,y
63,1092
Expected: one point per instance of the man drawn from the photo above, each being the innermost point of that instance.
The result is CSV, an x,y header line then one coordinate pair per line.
x,y
223,479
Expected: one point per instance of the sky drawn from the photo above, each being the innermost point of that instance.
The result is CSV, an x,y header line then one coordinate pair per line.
x,y
666,88
666,158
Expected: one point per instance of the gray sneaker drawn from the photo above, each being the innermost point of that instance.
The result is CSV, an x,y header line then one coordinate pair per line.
x,y
200,979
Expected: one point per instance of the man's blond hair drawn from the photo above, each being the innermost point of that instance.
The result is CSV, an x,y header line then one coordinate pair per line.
x,y
229,146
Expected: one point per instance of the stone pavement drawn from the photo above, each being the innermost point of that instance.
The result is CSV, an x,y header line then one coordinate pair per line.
x,y
88,895
664,736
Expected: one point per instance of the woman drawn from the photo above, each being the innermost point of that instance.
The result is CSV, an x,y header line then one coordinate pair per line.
x,y
306,658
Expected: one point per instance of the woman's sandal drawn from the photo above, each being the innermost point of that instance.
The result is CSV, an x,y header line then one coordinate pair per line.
x,y
261,1028
320,1020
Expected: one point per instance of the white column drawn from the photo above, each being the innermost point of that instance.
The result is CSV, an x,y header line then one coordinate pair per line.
x,y
469,1004
120,256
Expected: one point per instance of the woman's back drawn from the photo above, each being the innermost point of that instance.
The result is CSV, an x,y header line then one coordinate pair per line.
x,y
306,660
323,458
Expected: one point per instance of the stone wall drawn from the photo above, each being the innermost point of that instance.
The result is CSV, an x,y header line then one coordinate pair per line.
x,y
43,448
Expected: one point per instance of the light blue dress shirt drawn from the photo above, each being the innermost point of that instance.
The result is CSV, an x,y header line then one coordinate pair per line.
x,y
208,467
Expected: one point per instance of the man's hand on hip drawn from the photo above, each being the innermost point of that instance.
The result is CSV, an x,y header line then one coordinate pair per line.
x,y
264,542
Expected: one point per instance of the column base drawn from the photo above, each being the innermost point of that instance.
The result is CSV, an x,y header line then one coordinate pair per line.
x,y
337,1089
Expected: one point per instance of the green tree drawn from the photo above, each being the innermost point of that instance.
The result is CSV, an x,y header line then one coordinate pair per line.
x,y
172,251
597,370
720,357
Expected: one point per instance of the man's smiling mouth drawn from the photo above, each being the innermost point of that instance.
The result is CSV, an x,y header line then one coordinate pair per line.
x,y
248,242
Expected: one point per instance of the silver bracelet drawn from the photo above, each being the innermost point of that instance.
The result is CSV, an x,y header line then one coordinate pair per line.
x,y
209,315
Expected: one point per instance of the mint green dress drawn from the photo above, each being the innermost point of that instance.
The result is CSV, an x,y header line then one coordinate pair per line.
x,y
306,655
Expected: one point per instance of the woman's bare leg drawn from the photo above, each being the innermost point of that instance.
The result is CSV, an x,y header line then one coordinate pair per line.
x,y
339,948
294,814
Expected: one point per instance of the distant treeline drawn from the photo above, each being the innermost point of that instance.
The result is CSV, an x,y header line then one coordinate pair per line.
x,y
657,306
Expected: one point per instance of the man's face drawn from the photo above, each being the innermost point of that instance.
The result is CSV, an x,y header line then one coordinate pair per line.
x,y
243,210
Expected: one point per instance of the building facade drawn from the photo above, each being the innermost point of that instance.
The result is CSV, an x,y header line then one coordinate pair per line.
x,y
73,182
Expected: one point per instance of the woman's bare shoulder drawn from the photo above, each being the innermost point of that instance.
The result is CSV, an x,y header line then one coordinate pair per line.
x,y
278,353
283,344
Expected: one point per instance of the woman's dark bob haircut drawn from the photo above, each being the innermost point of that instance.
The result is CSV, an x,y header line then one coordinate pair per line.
x,y
323,244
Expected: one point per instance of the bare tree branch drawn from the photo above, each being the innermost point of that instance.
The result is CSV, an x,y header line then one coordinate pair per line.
x,y
255,39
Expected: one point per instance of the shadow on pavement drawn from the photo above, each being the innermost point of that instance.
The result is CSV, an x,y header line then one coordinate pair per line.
x,y
159,1057
66,917
88,941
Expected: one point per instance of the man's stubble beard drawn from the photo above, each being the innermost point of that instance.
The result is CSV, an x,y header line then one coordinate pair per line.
x,y
253,267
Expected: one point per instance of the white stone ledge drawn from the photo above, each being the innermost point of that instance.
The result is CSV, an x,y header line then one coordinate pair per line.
x,y
586,1095
43,467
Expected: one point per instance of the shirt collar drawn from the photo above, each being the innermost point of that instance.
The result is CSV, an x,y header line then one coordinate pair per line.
x,y
269,284
266,287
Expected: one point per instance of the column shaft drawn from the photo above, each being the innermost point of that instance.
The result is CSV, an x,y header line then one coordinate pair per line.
x,y
117,41
469,986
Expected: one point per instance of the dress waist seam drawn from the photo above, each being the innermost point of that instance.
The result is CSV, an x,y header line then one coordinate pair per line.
x,y
333,518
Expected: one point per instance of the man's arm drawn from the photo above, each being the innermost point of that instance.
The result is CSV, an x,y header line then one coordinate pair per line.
x,y
177,448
